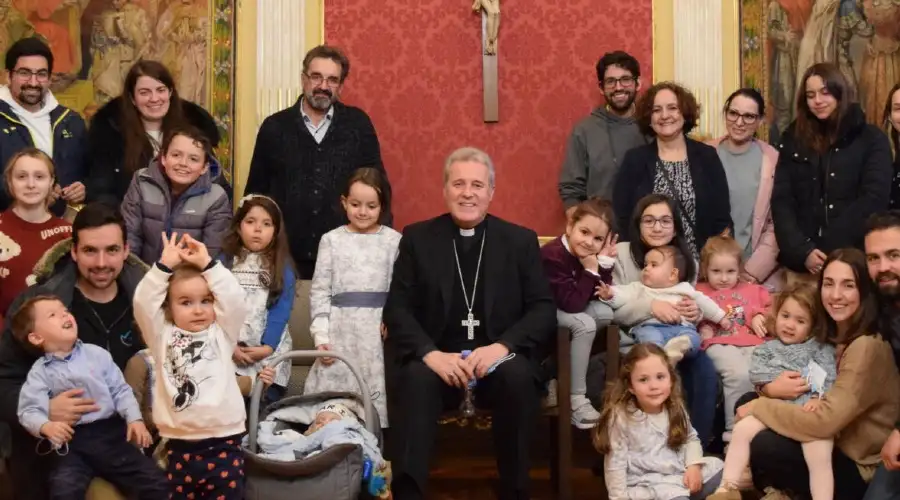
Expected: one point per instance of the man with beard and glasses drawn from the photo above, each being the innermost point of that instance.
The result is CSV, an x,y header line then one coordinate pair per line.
x,y
883,255
31,117
94,275
305,154
599,142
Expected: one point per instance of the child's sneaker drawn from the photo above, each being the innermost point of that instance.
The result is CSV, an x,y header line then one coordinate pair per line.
x,y
677,347
584,416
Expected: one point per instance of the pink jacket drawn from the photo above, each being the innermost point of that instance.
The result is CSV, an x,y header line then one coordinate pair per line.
x,y
741,304
763,263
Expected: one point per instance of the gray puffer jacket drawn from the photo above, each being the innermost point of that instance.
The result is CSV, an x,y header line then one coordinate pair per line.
x,y
203,211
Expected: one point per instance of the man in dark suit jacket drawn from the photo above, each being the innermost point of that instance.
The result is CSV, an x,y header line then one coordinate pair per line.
x,y
465,281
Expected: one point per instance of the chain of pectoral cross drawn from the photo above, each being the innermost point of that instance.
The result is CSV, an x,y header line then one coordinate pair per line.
x,y
470,322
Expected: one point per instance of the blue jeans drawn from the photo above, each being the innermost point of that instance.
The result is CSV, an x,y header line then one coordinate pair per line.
x,y
659,334
884,486
701,390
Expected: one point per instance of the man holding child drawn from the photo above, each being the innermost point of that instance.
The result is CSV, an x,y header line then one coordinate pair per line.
x,y
94,276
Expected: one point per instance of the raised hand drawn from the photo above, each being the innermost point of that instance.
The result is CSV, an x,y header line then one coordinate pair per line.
x,y
609,246
195,252
171,250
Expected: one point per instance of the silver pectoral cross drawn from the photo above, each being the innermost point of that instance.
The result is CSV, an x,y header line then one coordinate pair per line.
x,y
470,323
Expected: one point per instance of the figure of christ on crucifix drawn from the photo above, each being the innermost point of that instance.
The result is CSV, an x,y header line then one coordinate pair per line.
x,y
492,12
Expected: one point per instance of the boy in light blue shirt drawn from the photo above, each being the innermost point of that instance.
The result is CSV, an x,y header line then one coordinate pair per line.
x,y
97,445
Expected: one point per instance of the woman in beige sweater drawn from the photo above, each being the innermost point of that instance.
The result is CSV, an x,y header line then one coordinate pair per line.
x,y
859,411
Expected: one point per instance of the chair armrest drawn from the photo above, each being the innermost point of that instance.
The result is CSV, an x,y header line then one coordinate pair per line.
x,y
612,352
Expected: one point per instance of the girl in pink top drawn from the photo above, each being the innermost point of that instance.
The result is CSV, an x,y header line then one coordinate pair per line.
x,y
745,304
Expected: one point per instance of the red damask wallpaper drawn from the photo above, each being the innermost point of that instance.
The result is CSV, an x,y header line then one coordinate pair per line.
x,y
416,69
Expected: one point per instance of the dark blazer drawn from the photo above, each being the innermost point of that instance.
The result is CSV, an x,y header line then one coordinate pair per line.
x,y
109,178
635,180
519,309
822,201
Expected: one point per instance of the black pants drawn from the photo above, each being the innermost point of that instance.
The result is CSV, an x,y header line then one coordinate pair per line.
x,y
777,461
27,469
99,449
420,396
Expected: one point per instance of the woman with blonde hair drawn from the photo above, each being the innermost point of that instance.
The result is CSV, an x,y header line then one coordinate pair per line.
x,y
27,227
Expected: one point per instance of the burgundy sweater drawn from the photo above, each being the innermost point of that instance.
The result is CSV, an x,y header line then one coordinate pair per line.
x,y
572,285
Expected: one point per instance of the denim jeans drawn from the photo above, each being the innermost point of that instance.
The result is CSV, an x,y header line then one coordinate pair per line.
x,y
701,390
659,334
884,486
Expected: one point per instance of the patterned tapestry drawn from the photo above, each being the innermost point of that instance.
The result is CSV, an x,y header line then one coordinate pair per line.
x,y
95,43
782,38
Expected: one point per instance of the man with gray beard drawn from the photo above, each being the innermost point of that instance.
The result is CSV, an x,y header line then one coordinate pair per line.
x,y
305,154
599,142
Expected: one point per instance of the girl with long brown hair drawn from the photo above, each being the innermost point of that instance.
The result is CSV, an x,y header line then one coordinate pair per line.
x,y
651,450
255,249
834,170
891,120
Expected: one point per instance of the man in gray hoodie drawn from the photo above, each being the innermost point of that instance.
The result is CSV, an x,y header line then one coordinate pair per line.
x,y
599,142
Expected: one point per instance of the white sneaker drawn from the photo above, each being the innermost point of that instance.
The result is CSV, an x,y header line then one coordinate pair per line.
x,y
676,348
584,416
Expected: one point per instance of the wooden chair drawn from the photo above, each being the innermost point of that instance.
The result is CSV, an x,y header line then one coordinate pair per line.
x,y
560,417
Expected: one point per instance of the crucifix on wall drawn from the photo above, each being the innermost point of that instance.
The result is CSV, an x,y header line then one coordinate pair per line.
x,y
490,26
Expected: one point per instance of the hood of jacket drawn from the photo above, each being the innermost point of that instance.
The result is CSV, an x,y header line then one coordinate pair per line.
x,y
59,257
610,118
50,103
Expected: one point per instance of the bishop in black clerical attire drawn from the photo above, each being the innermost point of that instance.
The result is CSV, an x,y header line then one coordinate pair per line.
x,y
465,281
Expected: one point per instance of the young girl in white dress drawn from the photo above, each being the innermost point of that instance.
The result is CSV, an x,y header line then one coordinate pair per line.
x,y
651,450
255,249
349,289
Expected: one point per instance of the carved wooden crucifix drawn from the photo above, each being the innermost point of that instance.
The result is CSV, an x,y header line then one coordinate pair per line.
x,y
490,25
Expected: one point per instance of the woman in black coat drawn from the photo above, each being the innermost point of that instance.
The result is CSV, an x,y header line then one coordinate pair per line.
x,y
687,171
892,126
125,134
834,170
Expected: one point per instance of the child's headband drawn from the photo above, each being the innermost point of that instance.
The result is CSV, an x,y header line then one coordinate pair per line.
x,y
251,196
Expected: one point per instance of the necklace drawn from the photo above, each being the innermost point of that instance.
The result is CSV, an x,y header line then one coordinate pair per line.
x,y
125,338
470,322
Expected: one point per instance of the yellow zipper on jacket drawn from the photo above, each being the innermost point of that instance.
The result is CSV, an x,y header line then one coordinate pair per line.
x,y
52,126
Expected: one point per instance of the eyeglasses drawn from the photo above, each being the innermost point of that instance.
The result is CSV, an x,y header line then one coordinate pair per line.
x,y
25,74
732,116
317,78
665,221
625,82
